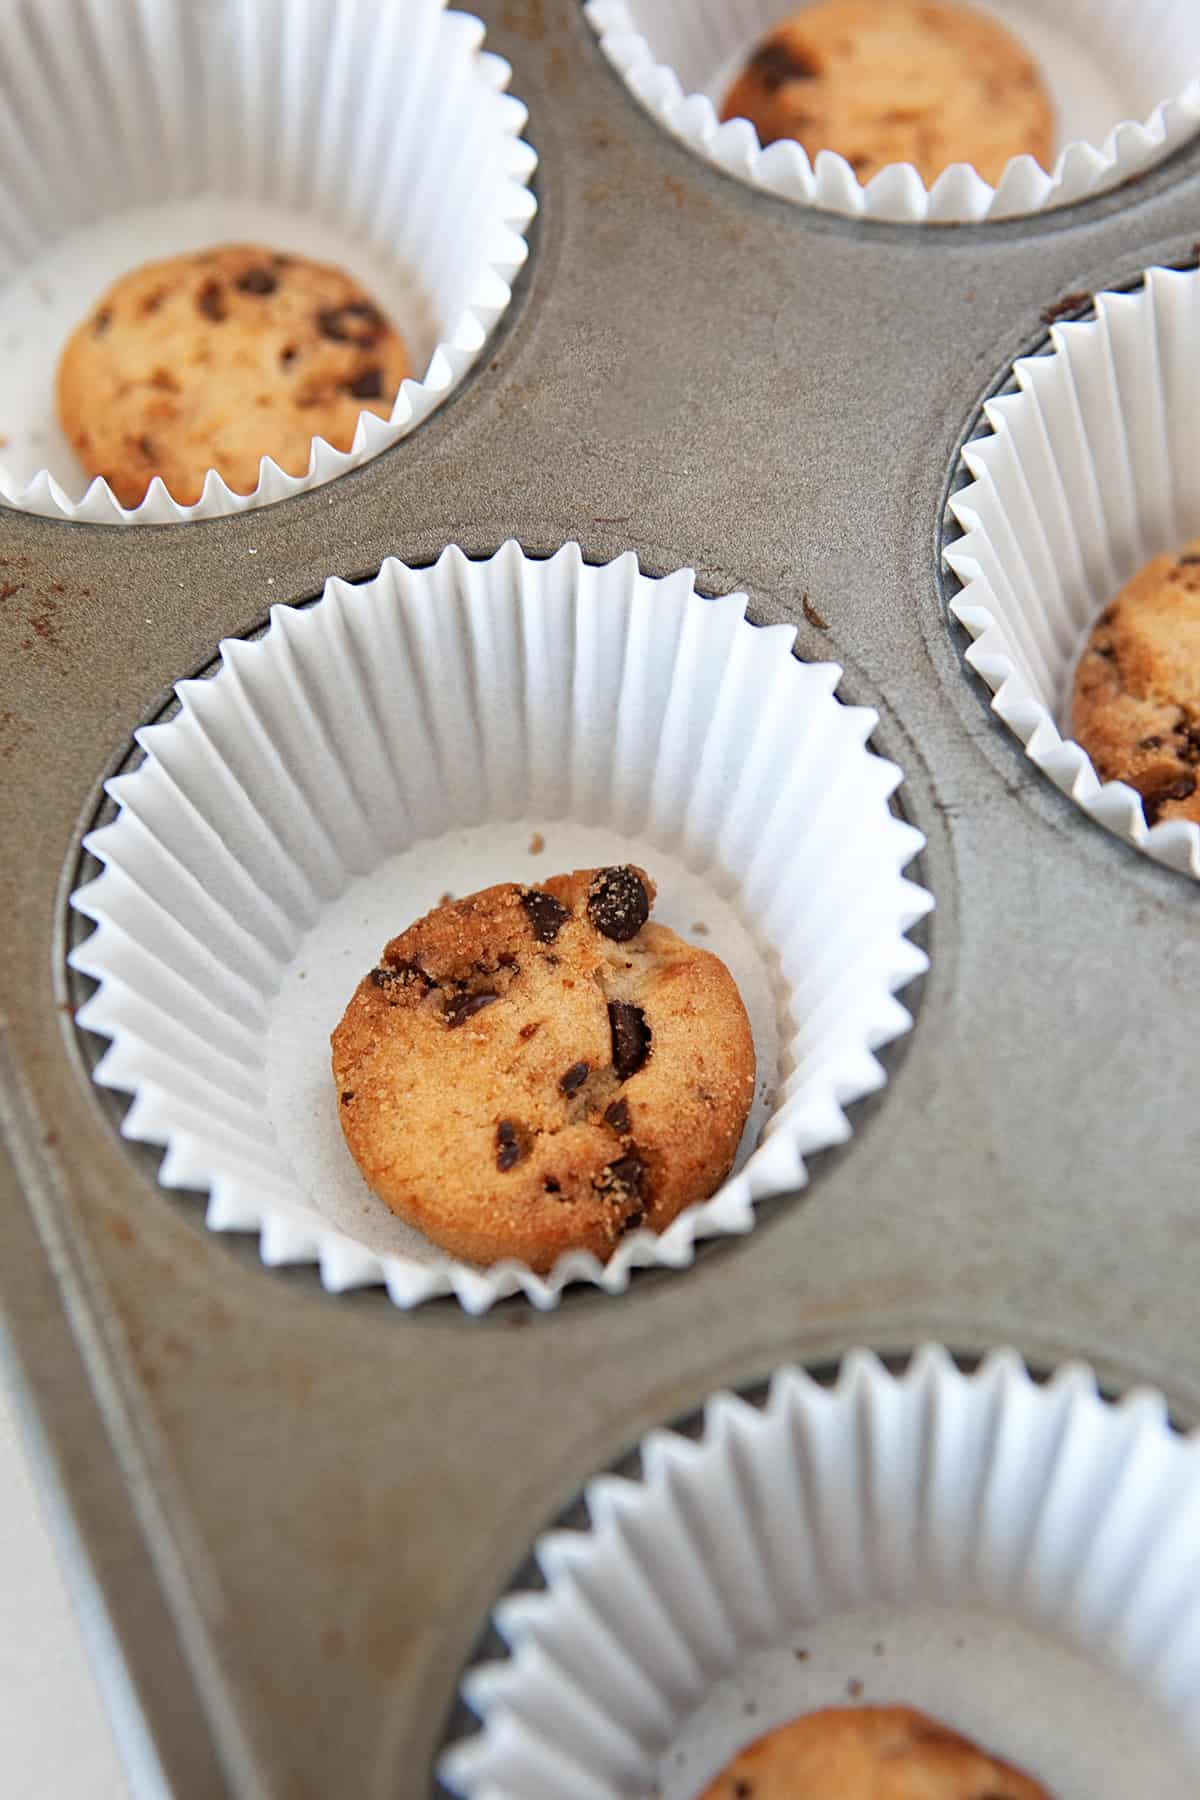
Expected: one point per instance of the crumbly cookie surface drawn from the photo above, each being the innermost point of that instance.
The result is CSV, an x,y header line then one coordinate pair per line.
x,y
869,1753
535,1070
1136,704
897,81
214,360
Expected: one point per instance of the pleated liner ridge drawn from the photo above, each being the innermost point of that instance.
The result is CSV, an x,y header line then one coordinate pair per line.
x,y
1042,1502
1085,472
428,701
389,121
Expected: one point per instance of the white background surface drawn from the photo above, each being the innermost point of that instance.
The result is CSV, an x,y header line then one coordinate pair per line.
x,y
55,1739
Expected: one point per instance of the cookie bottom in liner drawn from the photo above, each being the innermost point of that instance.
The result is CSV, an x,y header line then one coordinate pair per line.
x,y
1084,473
1016,1559
409,736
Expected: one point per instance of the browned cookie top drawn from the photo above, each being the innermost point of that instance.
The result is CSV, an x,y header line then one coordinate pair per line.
x,y
897,81
214,360
869,1753
534,1070
1136,707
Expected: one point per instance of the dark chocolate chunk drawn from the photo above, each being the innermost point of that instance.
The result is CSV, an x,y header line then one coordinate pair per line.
x,y
358,322
616,1117
630,1037
776,63
461,1007
621,1180
367,386
287,355
347,1096
211,302
508,1148
552,1186
632,1222
1153,803
258,281
618,904
574,1078
547,915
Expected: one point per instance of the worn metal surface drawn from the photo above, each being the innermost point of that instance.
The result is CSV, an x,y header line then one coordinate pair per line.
x,y
299,1508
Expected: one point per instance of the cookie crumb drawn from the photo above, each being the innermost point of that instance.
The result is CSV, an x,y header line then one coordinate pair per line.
x,y
446,898
801,1655
811,613
854,1688
537,844
700,928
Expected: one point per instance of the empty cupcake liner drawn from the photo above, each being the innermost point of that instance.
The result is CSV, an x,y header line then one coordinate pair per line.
x,y
1018,1560
376,138
1105,64
434,731
1085,472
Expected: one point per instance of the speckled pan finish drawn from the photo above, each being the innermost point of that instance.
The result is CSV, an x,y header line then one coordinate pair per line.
x,y
289,1513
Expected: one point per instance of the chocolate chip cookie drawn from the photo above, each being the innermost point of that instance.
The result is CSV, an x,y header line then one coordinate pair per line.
x,y
897,81
1136,706
869,1753
214,360
534,1070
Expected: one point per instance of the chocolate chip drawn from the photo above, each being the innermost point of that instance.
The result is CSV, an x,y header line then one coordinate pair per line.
x,y
547,915
1107,651
618,904
508,1148
1189,556
257,281
347,1096
146,446
211,302
367,386
1153,803
551,1185
777,63
616,1116
102,321
358,322
461,1007
742,1791
632,1222
574,1078
1150,743
287,355
630,1037
621,1180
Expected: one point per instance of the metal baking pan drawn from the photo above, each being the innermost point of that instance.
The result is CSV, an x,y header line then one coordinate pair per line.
x,y
296,1510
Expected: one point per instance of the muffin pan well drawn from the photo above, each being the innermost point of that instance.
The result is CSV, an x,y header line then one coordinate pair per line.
x,y
298,1508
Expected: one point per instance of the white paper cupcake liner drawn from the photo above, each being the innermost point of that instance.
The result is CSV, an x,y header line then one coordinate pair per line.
x,y
378,138
1106,64
1019,1561
1088,470
416,735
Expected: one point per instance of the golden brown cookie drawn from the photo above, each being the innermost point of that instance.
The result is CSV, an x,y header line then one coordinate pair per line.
x,y
211,361
869,1753
897,81
536,1070
1136,707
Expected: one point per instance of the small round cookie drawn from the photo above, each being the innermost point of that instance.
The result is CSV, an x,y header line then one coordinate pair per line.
x,y
1136,706
213,360
868,1753
535,1070
897,81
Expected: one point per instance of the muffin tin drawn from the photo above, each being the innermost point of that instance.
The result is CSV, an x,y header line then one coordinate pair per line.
x,y
289,1513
